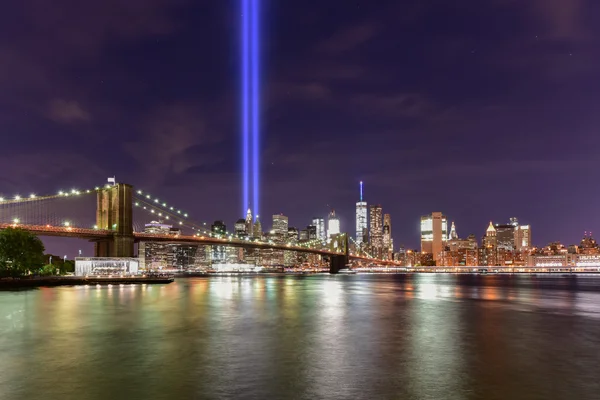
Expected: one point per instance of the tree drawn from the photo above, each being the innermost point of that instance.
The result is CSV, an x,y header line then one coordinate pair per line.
x,y
20,252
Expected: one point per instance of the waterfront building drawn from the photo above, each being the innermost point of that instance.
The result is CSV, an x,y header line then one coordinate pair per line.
x,y
361,217
523,238
490,239
388,245
505,236
160,255
376,230
333,227
588,245
290,258
434,233
218,253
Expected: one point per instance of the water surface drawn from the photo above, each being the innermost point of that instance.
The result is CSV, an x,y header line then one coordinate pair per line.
x,y
306,337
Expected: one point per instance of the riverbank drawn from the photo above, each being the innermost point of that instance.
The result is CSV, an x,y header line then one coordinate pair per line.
x,y
52,281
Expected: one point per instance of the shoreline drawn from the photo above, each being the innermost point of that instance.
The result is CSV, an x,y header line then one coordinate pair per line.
x,y
53,281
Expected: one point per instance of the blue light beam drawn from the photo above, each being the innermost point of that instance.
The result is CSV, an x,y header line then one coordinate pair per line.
x,y
245,39
255,42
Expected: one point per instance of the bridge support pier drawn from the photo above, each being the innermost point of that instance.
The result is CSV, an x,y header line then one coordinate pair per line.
x,y
338,262
114,213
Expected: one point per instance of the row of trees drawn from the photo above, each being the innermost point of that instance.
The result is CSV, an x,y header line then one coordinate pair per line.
x,y
22,254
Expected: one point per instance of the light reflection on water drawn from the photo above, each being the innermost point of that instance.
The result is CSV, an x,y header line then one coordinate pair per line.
x,y
305,337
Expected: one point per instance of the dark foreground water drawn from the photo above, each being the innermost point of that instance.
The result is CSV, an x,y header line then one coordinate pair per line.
x,y
316,337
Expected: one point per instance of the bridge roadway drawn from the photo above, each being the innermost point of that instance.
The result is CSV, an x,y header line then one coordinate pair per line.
x,y
96,234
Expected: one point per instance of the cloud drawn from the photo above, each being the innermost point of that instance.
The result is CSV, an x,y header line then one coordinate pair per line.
x,y
67,112
560,19
563,17
303,91
170,140
349,38
36,169
407,105
84,26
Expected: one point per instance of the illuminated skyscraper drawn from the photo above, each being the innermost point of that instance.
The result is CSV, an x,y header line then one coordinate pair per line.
x,y
490,239
523,237
505,235
319,224
376,230
249,227
453,235
361,217
218,229
240,228
434,233
333,224
257,232
280,225
387,236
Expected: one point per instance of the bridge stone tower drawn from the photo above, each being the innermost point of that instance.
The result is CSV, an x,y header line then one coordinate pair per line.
x,y
338,262
114,213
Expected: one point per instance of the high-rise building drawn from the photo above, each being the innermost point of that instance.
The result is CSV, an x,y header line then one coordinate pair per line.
x,y
319,224
361,217
490,238
505,236
257,232
434,233
219,254
249,225
312,232
388,246
523,237
376,230
218,228
240,228
280,224
453,235
303,235
333,225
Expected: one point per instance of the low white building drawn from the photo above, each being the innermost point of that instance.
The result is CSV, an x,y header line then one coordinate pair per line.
x,y
106,266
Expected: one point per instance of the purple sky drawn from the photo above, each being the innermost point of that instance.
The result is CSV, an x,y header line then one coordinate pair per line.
x,y
483,110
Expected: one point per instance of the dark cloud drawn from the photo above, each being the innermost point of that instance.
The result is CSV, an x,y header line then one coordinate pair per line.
x,y
65,111
349,38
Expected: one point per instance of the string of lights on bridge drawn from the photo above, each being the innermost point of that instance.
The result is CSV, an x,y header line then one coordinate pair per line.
x,y
159,208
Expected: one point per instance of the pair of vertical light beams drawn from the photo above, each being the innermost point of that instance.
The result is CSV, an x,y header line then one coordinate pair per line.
x,y
250,38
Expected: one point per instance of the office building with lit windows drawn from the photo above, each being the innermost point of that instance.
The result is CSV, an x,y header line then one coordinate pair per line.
x,y
388,244
434,233
376,230
333,225
361,218
319,224
523,237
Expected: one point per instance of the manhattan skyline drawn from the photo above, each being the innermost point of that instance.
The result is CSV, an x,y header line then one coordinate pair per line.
x,y
432,111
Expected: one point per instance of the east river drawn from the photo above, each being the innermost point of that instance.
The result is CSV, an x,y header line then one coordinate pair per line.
x,y
306,337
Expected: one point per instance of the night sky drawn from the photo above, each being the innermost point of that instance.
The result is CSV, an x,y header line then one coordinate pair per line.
x,y
483,110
